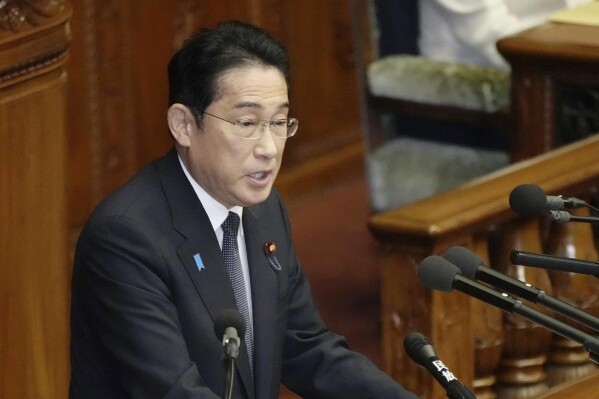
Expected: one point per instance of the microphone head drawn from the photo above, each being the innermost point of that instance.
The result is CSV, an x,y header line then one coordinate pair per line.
x,y
418,348
528,200
467,261
229,318
437,273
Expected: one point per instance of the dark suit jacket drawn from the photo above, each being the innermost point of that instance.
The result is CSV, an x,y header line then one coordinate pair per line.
x,y
142,313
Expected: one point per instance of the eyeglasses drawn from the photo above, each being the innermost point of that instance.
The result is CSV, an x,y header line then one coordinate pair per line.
x,y
253,129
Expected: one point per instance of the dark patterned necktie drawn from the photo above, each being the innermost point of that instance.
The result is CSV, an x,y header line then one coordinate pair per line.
x,y
233,263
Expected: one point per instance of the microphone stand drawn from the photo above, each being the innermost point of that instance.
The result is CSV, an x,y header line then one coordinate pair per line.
x,y
586,219
229,325
564,217
229,377
461,392
231,352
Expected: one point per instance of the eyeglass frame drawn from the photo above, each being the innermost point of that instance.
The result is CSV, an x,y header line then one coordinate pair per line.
x,y
261,127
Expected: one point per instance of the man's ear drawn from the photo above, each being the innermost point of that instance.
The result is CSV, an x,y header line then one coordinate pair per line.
x,y
181,123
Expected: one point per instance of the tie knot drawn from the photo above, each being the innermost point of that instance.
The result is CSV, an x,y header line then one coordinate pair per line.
x,y
231,224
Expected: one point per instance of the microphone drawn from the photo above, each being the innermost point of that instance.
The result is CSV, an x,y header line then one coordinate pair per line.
x,y
439,274
230,325
530,200
472,266
552,262
564,217
422,352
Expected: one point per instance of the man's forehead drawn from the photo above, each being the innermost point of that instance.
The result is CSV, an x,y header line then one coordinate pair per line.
x,y
251,87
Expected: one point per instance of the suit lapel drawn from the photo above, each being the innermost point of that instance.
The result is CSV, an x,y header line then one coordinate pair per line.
x,y
200,253
190,219
264,299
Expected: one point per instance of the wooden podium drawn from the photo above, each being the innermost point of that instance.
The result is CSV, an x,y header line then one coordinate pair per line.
x,y
584,388
34,266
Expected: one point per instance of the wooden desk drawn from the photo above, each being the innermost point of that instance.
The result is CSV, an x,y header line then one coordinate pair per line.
x,y
585,388
555,86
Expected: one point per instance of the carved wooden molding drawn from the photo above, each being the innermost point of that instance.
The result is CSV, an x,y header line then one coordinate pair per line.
x,y
17,14
34,37
32,65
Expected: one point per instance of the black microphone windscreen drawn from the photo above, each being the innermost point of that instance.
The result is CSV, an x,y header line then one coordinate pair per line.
x,y
466,260
229,318
437,273
528,200
418,348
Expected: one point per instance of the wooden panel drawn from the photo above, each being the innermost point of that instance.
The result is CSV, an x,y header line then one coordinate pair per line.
x,y
34,269
585,388
325,95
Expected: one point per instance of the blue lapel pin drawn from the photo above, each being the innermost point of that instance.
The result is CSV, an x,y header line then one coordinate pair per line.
x,y
269,250
199,262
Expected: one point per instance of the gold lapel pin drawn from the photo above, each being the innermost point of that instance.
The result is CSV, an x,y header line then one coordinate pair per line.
x,y
269,248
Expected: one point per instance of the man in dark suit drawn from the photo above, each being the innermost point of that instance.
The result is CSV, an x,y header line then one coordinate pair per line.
x,y
150,276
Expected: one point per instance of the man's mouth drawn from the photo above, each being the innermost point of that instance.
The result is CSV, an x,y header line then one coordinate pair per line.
x,y
259,175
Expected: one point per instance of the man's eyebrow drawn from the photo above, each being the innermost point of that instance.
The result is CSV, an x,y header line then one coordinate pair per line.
x,y
249,104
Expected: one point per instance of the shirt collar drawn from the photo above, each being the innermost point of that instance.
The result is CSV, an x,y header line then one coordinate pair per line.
x,y
217,212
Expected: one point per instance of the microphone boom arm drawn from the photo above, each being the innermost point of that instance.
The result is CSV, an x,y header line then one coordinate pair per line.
x,y
564,217
551,262
512,305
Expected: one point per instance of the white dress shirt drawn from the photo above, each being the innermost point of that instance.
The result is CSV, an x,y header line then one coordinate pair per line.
x,y
217,213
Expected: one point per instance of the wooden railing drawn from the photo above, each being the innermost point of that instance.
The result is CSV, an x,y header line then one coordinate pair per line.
x,y
498,354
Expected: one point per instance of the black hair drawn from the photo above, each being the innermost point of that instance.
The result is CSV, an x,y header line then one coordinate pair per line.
x,y
194,70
